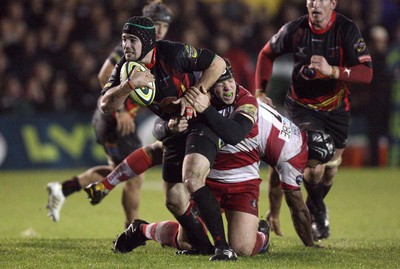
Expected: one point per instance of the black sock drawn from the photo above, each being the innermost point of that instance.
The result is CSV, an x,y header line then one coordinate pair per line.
x,y
196,234
315,194
325,189
211,212
70,186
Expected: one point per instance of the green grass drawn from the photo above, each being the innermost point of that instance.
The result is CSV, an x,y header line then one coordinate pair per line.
x,y
363,208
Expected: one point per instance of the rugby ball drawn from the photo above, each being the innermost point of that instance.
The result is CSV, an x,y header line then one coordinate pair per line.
x,y
143,96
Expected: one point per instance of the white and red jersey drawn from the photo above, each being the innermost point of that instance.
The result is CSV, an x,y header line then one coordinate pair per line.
x,y
240,162
283,146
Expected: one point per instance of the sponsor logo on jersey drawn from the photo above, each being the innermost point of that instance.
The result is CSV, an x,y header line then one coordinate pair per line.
x,y
302,52
286,130
191,52
248,109
299,179
360,45
253,203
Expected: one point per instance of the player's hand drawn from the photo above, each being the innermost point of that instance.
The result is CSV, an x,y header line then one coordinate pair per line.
x,y
177,124
140,79
262,96
187,110
318,69
198,98
125,123
275,224
319,64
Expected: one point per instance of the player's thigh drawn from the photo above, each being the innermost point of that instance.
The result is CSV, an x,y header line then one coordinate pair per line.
x,y
242,231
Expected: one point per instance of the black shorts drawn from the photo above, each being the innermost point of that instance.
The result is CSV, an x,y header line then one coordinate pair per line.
x,y
197,139
117,147
335,123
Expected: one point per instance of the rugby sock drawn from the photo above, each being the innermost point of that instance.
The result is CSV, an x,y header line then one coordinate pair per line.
x,y
194,226
70,186
315,193
164,232
139,161
325,189
210,211
261,240
136,163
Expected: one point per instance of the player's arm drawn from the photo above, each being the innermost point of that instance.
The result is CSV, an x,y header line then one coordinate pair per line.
x,y
231,130
358,64
210,75
105,72
211,65
115,92
300,216
163,129
263,73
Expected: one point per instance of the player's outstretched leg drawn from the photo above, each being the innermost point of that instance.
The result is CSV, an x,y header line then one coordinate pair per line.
x,y
55,201
96,192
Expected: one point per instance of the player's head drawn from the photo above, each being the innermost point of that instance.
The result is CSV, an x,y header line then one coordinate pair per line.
x,y
320,11
161,15
320,146
138,29
225,87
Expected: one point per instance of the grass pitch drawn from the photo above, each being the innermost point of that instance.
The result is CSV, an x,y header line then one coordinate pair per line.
x,y
363,208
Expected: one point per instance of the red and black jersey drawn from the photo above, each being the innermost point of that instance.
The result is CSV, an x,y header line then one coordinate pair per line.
x,y
340,43
173,67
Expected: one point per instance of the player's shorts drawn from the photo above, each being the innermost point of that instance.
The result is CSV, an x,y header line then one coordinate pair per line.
x,y
197,139
335,123
242,196
116,146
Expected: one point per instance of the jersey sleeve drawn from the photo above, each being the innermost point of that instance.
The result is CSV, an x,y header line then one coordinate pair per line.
x,y
354,45
114,79
247,104
281,42
191,59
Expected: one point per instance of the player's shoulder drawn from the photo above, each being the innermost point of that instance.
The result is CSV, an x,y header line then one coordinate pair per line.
x,y
299,23
245,97
166,46
171,51
344,23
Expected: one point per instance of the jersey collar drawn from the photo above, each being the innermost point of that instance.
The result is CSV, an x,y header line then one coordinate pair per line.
x,y
328,26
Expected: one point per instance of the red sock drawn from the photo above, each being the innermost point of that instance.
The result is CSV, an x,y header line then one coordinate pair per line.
x,y
164,232
260,242
139,161
136,163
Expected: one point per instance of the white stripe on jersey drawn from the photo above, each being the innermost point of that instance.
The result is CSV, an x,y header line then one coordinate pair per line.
x,y
269,118
236,175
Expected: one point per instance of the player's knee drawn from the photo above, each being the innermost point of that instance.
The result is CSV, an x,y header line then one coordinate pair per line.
x,y
154,152
242,248
314,175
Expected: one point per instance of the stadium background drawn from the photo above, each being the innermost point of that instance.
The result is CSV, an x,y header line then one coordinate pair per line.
x,y
51,52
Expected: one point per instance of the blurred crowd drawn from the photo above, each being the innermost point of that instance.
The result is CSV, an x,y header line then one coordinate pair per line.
x,y
51,51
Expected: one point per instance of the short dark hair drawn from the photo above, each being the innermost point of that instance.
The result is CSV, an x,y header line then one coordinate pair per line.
x,y
157,11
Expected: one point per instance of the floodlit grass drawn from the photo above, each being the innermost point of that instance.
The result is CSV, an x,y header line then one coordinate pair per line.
x,y
363,208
